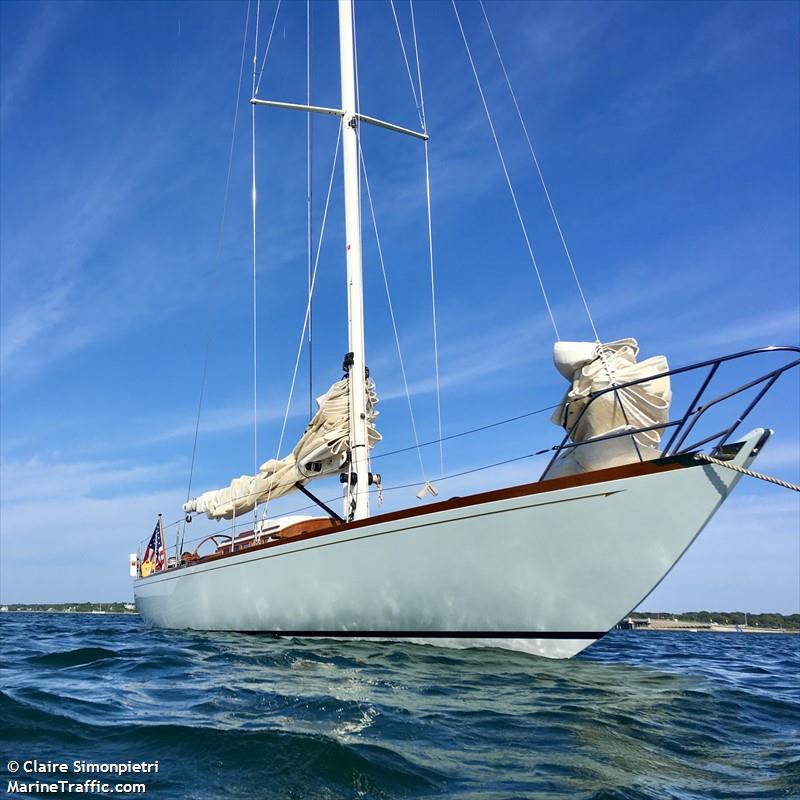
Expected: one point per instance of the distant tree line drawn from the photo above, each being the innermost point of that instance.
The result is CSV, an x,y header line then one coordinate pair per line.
x,y
786,621
119,608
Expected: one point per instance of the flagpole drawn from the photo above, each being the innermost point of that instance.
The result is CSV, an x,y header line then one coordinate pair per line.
x,y
163,545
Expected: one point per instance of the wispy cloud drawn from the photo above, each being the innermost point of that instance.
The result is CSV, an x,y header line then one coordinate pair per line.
x,y
101,509
51,285
723,40
26,325
26,61
219,420
748,558
492,347
54,481
108,246
780,455
780,326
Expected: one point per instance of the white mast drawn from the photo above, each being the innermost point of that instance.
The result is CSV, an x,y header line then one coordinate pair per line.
x,y
359,491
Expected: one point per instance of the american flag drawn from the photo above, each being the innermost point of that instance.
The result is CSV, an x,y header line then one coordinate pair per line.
x,y
156,552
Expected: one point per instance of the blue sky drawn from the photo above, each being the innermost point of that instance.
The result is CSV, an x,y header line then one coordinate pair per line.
x,y
669,136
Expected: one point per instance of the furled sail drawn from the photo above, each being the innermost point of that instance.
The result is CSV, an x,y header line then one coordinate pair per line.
x,y
322,450
591,367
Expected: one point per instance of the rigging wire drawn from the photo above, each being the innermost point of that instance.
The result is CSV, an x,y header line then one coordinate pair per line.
x,y
266,51
423,121
391,313
396,487
469,432
698,456
255,308
308,310
541,176
420,104
309,210
312,276
474,469
505,172
601,350
417,103
215,280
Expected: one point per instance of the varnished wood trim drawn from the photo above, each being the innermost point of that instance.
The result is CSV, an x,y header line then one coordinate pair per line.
x,y
525,490
289,533
368,533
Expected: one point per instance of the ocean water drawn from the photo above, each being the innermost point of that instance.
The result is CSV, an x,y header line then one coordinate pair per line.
x,y
638,715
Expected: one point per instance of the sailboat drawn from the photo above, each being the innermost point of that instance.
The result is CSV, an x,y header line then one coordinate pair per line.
x,y
548,567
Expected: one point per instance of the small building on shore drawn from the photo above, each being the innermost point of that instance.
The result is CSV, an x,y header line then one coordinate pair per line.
x,y
631,624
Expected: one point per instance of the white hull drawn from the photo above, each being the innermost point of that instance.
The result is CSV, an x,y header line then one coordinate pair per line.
x,y
566,564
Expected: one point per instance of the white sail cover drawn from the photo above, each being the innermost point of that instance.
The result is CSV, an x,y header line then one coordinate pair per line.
x,y
321,451
590,367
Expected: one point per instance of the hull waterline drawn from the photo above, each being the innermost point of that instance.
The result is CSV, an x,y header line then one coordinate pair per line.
x,y
547,572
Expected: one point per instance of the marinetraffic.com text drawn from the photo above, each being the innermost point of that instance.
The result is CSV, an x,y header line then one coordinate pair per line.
x,y
40,777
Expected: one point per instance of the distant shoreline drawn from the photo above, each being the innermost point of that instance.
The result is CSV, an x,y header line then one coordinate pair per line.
x,y
69,608
690,622
57,611
744,620
689,626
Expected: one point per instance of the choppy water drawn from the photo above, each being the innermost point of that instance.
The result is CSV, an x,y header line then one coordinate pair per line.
x,y
638,715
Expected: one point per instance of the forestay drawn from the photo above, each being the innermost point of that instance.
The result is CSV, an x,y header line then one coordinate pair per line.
x,y
591,367
322,450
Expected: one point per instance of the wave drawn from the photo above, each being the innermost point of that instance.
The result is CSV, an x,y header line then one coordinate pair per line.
x,y
637,716
283,760
74,658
